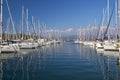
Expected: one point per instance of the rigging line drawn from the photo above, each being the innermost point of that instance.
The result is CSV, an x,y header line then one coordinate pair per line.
x,y
105,33
101,23
10,17
98,33
33,25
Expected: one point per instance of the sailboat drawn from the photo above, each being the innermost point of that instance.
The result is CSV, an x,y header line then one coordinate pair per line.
x,y
29,43
109,45
7,46
119,21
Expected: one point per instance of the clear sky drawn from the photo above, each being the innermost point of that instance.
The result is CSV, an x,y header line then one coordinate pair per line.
x,y
59,14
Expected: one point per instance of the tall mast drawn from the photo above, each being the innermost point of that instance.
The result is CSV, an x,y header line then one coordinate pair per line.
x,y
33,26
27,23
108,8
1,20
116,14
39,29
116,18
14,32
119,18
22,21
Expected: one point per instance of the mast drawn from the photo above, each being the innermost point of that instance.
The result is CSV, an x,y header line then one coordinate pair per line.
x,y
7,29
106,31
102,25
108,11
33,26
116,12
119,18
14,32
1,20
116,19
27,24
38,29
22,21
108,8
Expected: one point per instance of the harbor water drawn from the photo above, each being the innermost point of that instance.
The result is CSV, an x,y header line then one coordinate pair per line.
x,y
66,61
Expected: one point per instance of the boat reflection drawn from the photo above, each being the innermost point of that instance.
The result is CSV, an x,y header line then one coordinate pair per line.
x,y
4,56
32,64
18,61
105,62
113,54
109,63
1,70
109,53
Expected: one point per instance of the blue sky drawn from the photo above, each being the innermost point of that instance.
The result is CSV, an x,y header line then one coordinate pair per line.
x,y
59,14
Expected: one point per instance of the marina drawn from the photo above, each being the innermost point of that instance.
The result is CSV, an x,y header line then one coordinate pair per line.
x,y
32,50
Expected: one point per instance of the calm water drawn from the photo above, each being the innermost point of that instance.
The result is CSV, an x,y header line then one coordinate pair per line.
x,y
67,61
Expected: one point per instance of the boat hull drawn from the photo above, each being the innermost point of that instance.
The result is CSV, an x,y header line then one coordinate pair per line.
x,y
10,48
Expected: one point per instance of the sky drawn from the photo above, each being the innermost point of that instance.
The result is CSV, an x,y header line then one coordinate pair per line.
x,y
58,14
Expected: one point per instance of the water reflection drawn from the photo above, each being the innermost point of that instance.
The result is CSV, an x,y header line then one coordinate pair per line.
x,y
103,62
60,62
109,64
1,71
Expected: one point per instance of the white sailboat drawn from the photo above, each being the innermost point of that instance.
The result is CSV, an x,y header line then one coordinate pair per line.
x,y
118,12
99,45
110,45
11,47
29,43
